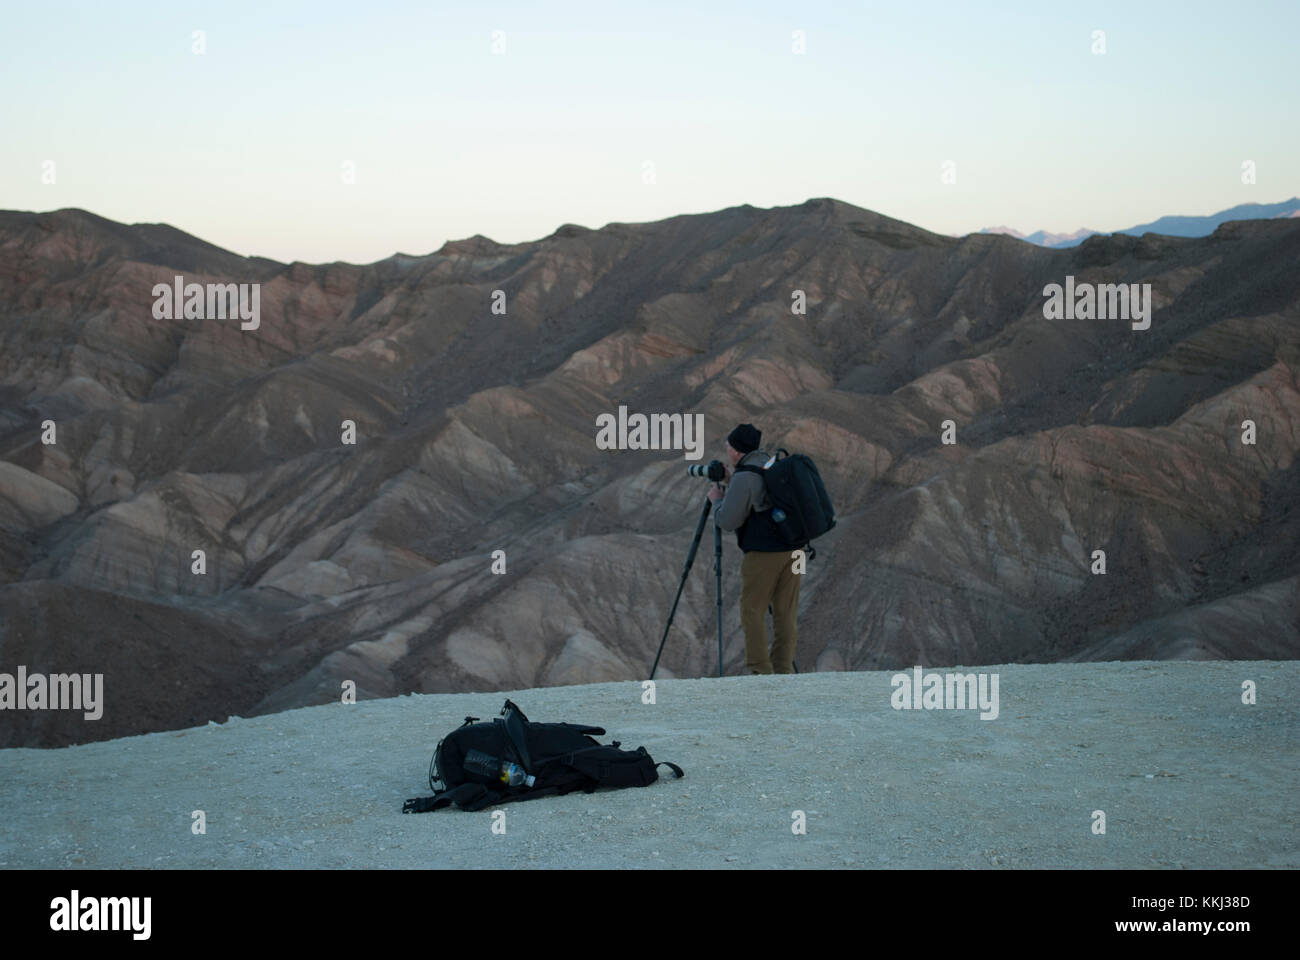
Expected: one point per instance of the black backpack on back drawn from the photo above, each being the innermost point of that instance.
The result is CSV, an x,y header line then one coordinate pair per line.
x,y
560,757
795,487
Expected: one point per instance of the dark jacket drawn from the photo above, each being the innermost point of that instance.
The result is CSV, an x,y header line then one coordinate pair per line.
x,y
747,509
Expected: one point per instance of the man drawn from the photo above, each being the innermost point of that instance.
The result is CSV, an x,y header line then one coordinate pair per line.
x,y
766,573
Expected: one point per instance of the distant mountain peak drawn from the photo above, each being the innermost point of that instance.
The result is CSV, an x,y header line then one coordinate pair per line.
x,y
476,245
1174,226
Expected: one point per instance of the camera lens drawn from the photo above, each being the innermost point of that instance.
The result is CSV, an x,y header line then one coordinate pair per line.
x,y
713,470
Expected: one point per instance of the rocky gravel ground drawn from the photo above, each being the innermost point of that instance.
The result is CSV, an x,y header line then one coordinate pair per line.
x,y
1187,775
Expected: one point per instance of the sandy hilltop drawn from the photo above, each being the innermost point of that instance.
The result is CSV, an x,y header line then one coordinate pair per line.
x,y
327,562
1185,774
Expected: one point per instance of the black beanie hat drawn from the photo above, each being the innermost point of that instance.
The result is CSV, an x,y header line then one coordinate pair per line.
x,y
745,438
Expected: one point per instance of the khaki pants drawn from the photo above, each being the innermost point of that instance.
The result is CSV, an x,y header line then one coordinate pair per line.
x,y
768,578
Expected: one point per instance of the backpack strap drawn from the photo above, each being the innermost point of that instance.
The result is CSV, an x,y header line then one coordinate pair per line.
x,y
582,728
514,724
490,798
462,796
487,798
781,454
511,705
671,766
475,796
568,755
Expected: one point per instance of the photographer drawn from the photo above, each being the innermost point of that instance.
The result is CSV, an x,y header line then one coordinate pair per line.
x,y
766,573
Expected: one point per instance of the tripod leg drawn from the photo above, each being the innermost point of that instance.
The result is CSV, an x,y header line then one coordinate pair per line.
x,y
690,561
717,570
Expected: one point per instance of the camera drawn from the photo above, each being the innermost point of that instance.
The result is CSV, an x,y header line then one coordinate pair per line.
x,y
714,470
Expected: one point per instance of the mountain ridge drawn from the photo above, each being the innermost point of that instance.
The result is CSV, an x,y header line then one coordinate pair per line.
x,y
372,562
1175,226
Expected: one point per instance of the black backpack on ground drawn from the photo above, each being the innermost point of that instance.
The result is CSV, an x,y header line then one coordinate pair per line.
x,y
560,757
795,487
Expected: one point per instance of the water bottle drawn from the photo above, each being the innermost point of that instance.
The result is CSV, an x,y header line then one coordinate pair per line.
x,y
513,775
510,774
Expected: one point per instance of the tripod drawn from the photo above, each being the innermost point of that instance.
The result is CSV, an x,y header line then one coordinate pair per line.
x,y
717,572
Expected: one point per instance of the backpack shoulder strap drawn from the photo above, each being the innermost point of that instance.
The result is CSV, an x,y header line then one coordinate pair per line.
x,y
466,793
579,728
515,723
780,454
509,706
474,796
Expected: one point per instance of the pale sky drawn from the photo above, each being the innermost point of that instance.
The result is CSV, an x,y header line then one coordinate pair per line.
x,y
248,144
